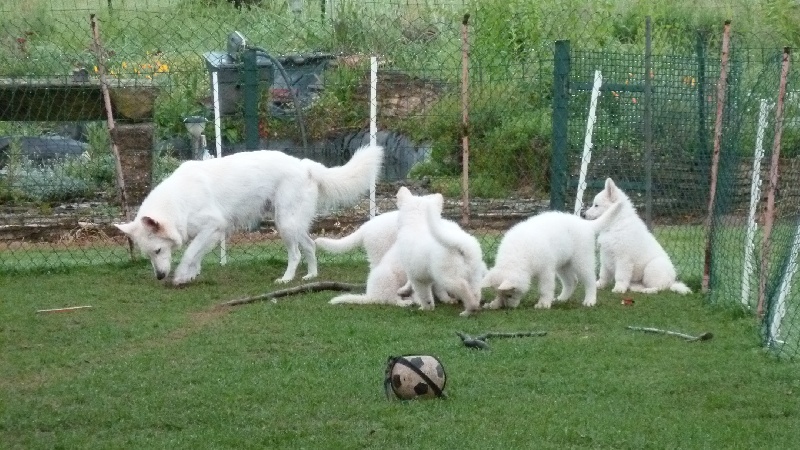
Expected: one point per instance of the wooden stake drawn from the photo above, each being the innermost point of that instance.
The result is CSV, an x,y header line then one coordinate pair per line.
x,y
722,86
97,47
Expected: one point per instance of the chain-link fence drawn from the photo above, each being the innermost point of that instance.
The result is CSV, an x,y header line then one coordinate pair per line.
x,y
656,139
297,77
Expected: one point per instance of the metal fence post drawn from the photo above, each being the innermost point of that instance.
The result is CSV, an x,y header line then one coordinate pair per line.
x,y
558,160
648,125
250,87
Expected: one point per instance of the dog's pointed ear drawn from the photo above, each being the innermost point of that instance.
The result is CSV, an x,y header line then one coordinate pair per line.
x,y
611,189
152,225
126,228
402,194
438,202
506,286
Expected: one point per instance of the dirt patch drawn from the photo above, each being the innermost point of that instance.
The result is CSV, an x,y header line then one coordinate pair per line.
x,y
197,320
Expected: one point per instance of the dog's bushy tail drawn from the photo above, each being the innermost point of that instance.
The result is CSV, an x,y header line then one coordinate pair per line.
x,y
449,239
353,299
344,185
676,286
680,288
352,241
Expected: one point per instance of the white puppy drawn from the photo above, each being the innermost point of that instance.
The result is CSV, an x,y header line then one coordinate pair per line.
x,y
383,284
376,236
202,201
387,282
432,252
549,245
386,276
629,254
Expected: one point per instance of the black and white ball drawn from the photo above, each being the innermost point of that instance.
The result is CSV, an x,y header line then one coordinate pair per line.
x,y
415,376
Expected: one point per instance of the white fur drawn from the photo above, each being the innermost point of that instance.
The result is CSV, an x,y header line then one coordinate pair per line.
x,y
387,282
549,245
383,283
202,201
376,236
432,252
629,254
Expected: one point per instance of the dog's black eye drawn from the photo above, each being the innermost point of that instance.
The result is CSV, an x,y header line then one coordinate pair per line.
x,y
158,251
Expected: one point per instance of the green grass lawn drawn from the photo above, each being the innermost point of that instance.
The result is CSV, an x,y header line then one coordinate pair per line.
x,y
151,366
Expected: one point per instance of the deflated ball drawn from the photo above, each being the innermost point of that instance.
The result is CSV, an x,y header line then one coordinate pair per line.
x,y
415,376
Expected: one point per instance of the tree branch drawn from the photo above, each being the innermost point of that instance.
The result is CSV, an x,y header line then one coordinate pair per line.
x,y
302,289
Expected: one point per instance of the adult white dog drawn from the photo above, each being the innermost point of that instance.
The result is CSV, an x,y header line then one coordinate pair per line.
x,y
387,282
202,201
434,253
629,254
549,245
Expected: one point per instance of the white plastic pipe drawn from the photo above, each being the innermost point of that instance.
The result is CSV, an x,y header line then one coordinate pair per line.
x,y
587,141
755,197
373,125
223,254
779,309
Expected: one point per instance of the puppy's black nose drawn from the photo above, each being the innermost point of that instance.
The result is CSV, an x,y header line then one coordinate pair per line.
x,y
160,275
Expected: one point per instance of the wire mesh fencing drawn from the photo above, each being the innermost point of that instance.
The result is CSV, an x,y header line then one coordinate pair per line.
x,y
487,78
657,138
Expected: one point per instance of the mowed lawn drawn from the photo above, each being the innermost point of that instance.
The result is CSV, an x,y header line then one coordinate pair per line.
x,y
151,366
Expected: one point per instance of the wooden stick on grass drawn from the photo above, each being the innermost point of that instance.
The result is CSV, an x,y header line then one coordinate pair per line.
x,y
701,337
302,289
69,308
480,341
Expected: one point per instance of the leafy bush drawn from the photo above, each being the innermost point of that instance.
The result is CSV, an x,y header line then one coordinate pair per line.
x,y
509,139
48,183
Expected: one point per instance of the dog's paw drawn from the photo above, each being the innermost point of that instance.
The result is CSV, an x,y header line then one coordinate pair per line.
x,y
467,312
493,305
282,280
589,303
542,305
601,284
619,289
310,276
181,279
405,303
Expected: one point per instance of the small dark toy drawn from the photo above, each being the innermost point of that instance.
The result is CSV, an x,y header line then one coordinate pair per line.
x,y
479,341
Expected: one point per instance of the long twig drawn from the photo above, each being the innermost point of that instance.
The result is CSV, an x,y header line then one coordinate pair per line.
x,y
701,337
302,289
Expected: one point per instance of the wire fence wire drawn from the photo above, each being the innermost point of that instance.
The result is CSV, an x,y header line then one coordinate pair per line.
x,y
653,132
